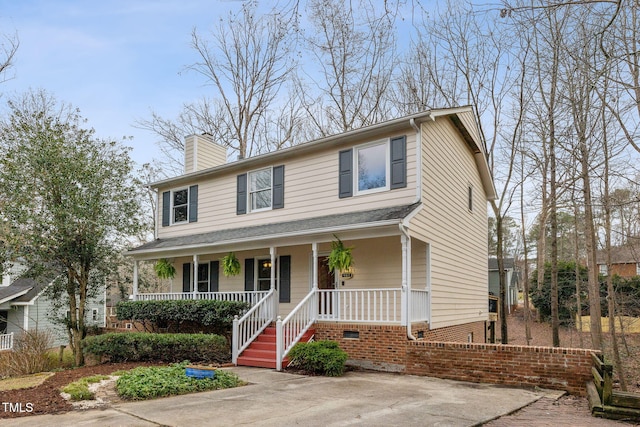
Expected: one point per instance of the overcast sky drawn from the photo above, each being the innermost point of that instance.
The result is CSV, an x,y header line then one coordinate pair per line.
x,y
116,60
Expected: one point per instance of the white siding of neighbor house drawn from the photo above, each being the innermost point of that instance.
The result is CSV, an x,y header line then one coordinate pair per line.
x,y
457,236
310,190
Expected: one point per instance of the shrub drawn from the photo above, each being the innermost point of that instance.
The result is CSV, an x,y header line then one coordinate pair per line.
x,y
151,382
29,355
138,346
216,316
79,390
319,357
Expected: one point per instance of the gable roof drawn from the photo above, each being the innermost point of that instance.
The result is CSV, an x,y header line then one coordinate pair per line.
x,y
628,254
470,136
23,290
321,224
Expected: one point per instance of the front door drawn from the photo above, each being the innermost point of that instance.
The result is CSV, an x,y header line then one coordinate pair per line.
x,y
326,280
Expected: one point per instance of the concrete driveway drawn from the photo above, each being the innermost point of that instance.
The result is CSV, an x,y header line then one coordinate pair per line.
x,y
282,399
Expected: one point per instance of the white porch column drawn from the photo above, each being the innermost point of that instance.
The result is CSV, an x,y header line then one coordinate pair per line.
x,y
406,278
195,275
26,317
314,268
135,280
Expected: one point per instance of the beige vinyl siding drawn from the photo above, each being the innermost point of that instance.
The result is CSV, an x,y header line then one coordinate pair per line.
x,y
189,153
457,236
311,189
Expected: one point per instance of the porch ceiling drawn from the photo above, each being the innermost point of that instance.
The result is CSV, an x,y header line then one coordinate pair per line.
x,y
255,235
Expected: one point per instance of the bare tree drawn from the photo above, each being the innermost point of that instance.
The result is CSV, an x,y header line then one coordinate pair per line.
x,y
353,46
247,61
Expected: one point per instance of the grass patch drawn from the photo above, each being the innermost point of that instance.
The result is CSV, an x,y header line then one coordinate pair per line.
x,y
16,383
151,382
79,390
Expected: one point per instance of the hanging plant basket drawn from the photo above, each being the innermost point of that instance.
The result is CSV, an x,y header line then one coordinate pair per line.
x,y
164,269
230,265
340,258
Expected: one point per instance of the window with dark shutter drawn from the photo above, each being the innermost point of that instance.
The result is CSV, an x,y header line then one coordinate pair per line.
x,y
398,162
278,187
248,274
241,195
166,208
214,276
345,177
193,203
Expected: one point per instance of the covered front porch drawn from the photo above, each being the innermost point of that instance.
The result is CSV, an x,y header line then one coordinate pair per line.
x,y
286,281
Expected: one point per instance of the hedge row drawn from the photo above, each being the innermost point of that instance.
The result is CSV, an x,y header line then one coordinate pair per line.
x,y
138,346
217,315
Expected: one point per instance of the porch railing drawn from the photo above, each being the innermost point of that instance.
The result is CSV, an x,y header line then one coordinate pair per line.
x,y
360,305
251,297
419,305
249,326
6,341
290,330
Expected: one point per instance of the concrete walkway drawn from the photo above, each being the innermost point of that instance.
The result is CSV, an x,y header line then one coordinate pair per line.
x,y
282,399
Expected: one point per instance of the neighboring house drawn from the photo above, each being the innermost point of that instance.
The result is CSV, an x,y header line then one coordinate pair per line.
x,y
511,278
625,261
23,306
408,195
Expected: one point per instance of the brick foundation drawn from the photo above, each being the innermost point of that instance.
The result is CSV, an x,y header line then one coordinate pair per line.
x,y
387,348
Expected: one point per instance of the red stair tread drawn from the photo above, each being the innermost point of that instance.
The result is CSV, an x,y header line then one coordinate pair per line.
x,y
261,352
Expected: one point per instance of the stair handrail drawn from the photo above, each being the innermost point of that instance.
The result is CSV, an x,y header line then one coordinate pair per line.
x,y
293,327
251,324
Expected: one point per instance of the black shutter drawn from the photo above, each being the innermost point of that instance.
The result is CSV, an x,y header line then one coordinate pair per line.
x,y
186,277
345,175
285,278
278,187
398,162
214,275
248,274
193,203
241,198
166,208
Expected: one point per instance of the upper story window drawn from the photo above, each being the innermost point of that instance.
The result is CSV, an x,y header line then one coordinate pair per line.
x,y
180,206
376,166
372,166
260,189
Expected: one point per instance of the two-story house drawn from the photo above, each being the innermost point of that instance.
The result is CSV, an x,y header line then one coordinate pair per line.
x,y
408,195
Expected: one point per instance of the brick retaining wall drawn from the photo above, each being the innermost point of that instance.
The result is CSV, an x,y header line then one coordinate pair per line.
x,y
386,348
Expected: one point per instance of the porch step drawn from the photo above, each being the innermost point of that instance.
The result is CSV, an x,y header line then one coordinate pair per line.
x,y
261,353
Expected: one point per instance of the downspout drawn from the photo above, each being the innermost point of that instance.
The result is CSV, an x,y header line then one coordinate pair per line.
x,y
413,124
406,276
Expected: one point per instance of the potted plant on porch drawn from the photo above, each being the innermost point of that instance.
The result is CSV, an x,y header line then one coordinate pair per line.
x,y
164,269
230,265
340,258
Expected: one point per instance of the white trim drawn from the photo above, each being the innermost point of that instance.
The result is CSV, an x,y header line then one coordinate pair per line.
x,y
249,204
386,143
171,206
14,296
25,321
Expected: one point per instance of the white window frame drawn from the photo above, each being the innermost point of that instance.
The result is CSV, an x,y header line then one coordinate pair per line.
x,y
602,269
250,192
638,269
94,314
256,270
356,170
172,211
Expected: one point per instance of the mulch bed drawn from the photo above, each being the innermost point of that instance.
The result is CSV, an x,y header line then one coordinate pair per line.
x,y
46,399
